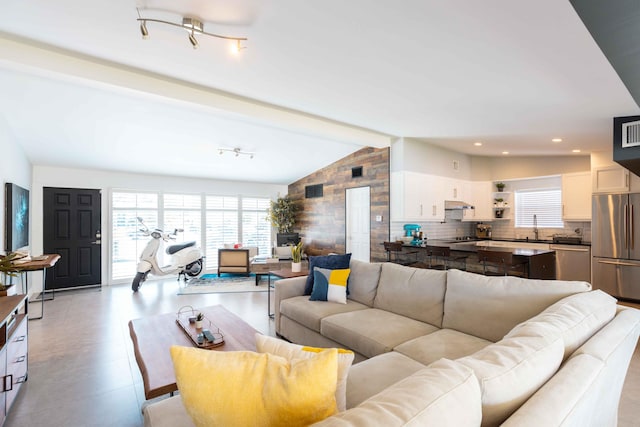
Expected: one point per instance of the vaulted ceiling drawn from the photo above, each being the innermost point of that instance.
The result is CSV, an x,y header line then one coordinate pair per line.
x,y
317,81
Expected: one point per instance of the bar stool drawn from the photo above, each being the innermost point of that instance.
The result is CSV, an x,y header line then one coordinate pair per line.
x,y
443,258
395,253
503,261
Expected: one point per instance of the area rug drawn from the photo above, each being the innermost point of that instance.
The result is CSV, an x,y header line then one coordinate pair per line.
x,y
227,283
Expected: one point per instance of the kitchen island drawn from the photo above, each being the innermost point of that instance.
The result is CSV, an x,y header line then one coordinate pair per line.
x,y
541,263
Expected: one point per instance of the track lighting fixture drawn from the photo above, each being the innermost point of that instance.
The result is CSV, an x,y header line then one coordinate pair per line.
x,y
194,27
236,151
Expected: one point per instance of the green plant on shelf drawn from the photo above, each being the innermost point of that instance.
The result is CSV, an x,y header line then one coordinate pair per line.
x,y
500,186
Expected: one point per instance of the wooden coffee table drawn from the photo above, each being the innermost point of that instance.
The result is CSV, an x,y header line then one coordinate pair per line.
x,y
153,336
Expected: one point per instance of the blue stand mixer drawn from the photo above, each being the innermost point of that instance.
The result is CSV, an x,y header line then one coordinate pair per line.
x,y
413,230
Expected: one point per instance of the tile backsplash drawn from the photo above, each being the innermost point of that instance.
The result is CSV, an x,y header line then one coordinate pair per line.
x,y
500,230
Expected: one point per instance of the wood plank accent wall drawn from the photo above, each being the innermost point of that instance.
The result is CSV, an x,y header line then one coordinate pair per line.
x,y
321,221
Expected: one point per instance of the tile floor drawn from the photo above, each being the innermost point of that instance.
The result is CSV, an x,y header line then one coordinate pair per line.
x,y
82,371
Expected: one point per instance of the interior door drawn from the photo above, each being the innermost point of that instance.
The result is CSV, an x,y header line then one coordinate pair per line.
x,y
358,223
71,228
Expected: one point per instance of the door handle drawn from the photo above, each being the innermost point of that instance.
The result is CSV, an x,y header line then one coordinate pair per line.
x,y
97,242
625,264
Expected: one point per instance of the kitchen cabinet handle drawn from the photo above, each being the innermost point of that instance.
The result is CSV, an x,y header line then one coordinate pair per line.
x,y
435,210
421,209
21,379
10,378
20,338
555,248
21,359
625,264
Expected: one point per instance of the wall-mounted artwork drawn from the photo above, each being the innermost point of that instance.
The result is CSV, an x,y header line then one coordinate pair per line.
x,y
16,217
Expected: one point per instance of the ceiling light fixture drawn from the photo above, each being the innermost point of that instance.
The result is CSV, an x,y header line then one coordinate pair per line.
x,y
478,144
236,151
575,151
194,27
505,152
556,140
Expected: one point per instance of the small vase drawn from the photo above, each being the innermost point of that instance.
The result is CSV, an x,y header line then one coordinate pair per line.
x,y
198,324
296,267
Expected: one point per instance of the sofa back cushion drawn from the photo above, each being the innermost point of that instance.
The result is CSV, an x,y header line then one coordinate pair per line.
x,y
363,281
512,370
443,394
576,318
416,293
489,307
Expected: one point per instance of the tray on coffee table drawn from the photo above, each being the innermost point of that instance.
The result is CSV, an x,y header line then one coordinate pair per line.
x,y
207,337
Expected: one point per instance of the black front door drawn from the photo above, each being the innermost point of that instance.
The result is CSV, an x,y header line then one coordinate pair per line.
x,y
71,228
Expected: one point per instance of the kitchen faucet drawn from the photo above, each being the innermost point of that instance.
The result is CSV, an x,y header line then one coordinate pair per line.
x,y
535,227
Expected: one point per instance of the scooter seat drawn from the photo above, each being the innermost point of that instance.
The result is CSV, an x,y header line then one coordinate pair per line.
x,y
175,248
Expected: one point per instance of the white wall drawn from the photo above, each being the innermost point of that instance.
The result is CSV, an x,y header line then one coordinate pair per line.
x,y
512,167
47,176
14,168
418,156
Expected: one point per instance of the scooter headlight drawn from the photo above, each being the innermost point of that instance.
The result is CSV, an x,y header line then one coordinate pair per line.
x,y
156,235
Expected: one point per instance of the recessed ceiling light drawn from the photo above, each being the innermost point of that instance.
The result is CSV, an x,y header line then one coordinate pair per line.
x,y
477,144
505,152
575,151
556,140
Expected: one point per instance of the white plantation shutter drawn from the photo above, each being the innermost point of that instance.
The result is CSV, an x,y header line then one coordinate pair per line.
x,y
127,242
221,226
545,204
256,230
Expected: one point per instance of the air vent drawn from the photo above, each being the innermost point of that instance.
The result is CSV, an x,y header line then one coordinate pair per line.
x,y
313,191
356,172
631,134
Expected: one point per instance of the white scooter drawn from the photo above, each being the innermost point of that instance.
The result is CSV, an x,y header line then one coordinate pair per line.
x,y
186,258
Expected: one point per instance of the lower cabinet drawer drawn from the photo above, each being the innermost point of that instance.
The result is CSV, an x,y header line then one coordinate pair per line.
x,y
17,362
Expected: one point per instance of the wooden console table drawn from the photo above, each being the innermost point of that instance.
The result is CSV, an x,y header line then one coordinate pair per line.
x,y
40,263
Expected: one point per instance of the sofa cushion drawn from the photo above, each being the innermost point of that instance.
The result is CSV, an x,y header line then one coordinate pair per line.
x,y
371,376
282,348
511,370
576,317
330,285
331,262
372,331
443,394
240,388
445,343
363,281
310,313
515,299
417,293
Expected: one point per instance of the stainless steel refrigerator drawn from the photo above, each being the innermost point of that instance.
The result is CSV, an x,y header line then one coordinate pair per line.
x,y
615,244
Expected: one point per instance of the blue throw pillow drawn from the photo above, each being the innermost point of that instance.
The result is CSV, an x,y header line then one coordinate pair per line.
x,y
332,262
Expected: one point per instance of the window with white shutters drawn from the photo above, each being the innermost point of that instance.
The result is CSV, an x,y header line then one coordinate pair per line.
x,y
544,204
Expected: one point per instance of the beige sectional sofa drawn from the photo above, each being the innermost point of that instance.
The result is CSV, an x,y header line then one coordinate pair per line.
x,y
459,349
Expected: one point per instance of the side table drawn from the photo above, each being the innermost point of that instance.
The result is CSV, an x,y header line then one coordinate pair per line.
x,y
40,263
284,273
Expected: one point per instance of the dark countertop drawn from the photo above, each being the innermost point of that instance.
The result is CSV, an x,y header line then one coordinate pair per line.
x,y
463,246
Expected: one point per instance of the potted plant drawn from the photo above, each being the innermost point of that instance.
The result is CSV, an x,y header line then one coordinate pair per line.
x,y
500,186
282,214
8,270
199,319
296,257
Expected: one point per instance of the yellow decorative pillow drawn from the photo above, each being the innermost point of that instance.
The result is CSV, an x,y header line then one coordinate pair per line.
x,y
267,344
243,388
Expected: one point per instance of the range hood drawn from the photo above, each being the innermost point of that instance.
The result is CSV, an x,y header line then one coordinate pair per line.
x,y
451,205
626,142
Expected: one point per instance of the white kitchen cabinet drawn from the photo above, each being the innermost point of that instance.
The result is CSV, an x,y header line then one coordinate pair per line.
x,y
416,197
576,196
479,195
610,179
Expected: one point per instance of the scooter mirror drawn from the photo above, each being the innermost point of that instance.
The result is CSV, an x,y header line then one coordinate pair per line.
x,y
140,219
179,230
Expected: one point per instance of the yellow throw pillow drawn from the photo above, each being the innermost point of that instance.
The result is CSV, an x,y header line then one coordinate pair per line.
x,y
243,388
267,344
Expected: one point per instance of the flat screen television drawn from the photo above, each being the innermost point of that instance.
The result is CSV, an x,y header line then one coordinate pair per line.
x,y
286,239
16,217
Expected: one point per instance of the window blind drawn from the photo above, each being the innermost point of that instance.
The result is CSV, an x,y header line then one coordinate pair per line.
x,y
545,204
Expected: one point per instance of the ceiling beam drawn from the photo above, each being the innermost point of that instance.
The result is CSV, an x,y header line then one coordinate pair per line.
x,y
51,62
